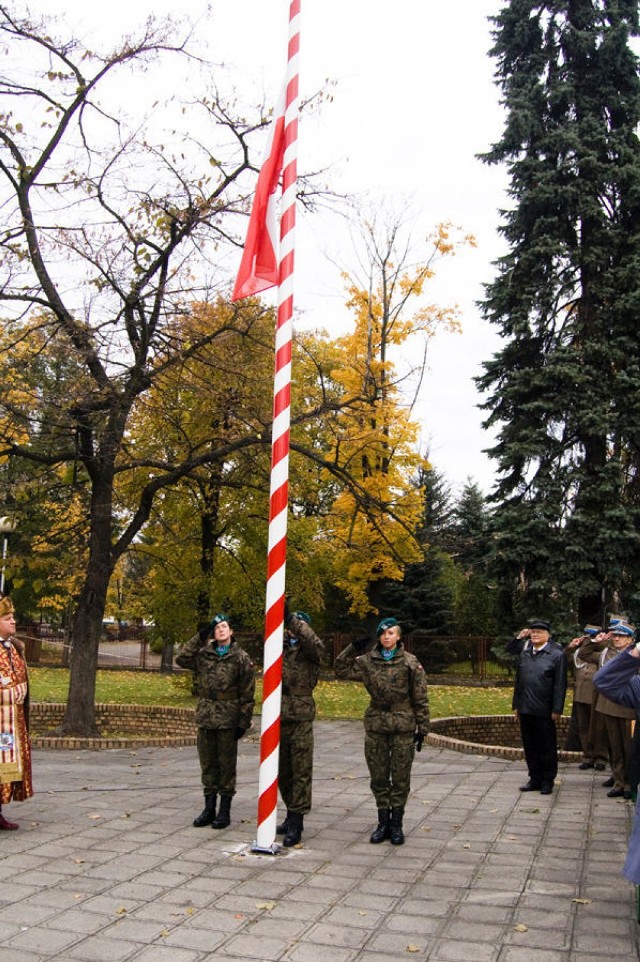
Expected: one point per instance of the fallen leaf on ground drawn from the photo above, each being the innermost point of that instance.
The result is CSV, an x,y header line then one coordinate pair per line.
x,y
520,927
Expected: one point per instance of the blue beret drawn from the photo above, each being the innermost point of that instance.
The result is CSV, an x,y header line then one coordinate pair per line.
x,y
303,616
218,618
384,624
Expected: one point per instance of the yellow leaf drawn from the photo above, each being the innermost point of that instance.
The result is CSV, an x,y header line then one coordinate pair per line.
x,y
520,927
413,948
583,901
266,905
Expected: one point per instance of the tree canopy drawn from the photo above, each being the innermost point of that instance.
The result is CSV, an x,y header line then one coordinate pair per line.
x,y
564,390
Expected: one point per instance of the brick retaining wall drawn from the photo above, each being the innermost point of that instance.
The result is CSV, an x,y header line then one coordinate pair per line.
x,y
161,726
155,725
489,735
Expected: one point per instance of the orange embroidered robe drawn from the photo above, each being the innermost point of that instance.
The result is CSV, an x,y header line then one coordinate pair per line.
x,y
15,747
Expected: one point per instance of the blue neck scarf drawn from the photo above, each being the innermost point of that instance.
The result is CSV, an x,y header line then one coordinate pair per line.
x,y
222,649
388,654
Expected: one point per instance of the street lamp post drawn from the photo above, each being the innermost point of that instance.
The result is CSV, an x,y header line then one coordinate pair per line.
x,y
6,526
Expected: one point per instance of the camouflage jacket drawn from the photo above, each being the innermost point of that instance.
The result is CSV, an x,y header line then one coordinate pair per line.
x,y
397,688
300,671
226,683
601,654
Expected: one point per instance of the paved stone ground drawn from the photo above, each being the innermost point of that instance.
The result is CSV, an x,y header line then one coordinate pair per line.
x,y
107,866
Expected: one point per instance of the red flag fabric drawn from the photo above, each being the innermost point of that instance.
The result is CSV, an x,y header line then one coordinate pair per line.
x,y
259,265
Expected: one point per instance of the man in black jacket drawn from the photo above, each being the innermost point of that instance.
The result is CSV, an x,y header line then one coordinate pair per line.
x,y
538,701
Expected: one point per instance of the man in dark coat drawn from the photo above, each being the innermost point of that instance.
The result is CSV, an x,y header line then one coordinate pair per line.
x,y
225,677
538,701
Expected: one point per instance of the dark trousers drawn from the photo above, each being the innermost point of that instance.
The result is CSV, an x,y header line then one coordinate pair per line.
x,y
295,765
619,735
218,754
540,743
389,757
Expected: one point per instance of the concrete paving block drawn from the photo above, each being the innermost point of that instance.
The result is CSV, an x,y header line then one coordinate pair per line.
x,y
458,951
247,947
40,940
167,953
194,939
518,954
345,936
312,952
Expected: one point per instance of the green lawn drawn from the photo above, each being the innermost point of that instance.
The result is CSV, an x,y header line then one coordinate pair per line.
x,y
334,699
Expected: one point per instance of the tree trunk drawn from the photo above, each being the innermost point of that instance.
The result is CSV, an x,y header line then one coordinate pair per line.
x,y
80,716
209,518
166,660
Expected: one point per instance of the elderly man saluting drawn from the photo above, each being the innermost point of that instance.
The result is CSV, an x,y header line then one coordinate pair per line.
x,y
538,701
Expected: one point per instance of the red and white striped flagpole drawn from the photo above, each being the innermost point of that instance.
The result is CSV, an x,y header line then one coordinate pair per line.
x,y
278,503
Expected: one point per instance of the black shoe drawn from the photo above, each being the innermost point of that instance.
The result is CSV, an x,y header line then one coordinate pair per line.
x,y
396,834
281,829
583,766
608,782
627,794
382,830
295,825
599,767
546,788
208,813
223,818
615,793
530,787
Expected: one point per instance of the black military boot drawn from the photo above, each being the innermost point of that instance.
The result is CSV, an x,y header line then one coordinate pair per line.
x,y
295,824
223,818
395,827
281,829
208,813
381,831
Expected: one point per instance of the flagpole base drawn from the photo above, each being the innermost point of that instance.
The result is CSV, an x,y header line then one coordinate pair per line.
x,y
272,849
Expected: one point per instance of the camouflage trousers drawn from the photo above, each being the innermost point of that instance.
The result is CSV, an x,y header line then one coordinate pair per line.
x,y
295,768
218,754
389,758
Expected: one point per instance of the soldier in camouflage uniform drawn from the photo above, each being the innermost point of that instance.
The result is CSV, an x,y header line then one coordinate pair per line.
x,y
302,654
395,722
226,683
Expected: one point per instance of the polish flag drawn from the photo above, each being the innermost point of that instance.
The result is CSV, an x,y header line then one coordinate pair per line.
x,y
259,265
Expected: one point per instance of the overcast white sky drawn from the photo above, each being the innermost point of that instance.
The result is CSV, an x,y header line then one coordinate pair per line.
x,y
413,103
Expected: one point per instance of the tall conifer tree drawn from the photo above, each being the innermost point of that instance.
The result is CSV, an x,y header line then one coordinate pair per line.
x,y
564,390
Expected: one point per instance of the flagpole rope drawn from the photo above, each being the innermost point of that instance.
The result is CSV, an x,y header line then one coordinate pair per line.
x,y
279,485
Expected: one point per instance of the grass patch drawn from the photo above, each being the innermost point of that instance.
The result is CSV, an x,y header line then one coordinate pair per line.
x,y
335,699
